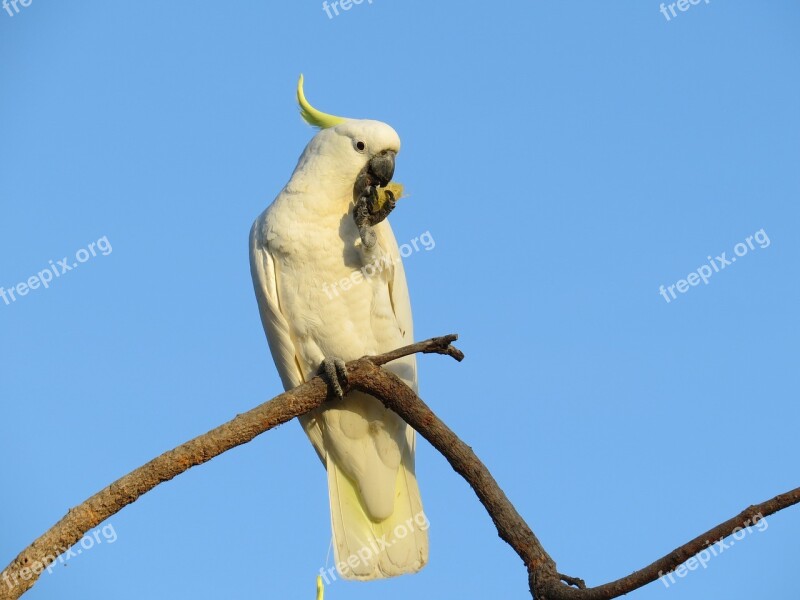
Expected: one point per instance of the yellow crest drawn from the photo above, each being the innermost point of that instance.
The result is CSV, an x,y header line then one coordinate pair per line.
x,y
311,115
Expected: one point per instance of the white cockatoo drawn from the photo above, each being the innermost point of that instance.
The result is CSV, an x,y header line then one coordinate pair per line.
x,y
325,297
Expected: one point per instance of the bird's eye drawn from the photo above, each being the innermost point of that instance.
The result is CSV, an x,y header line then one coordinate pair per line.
x,y
360,146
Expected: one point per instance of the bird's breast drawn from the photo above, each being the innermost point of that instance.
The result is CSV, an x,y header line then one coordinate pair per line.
x,y
334,294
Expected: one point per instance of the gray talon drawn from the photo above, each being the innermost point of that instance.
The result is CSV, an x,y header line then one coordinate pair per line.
x,y
334,370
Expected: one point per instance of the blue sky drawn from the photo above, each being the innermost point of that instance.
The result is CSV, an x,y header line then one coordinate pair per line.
x,y
568,158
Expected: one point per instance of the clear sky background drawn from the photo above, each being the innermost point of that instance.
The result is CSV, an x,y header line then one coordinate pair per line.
x,y
568,158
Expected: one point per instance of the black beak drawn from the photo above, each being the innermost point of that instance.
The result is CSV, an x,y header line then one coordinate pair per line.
x,y
380,168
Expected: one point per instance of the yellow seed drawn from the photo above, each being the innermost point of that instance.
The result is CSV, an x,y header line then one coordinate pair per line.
x,y
395,188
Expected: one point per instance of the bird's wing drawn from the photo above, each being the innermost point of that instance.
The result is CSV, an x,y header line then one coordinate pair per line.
x,y
262,268
405,368
281,344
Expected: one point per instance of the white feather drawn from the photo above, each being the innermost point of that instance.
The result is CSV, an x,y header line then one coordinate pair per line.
x,y
302,249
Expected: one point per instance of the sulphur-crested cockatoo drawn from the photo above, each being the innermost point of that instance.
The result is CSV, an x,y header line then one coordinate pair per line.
x,y
325,296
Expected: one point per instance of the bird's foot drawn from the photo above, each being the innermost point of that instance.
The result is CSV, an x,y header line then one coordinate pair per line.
x,y
380,204
372,207
333,369
361,216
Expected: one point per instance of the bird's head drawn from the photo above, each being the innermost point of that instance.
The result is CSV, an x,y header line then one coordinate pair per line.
x,y
347,155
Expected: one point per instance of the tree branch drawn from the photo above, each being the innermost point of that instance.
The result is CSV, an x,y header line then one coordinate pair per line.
x,y
437,345
364,374
398,397
749,516
544,580
21,574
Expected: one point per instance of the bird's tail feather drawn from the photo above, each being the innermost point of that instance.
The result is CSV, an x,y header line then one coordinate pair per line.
x,y
365,549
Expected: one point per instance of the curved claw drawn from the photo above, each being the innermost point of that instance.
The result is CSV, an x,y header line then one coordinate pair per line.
x,y
333,369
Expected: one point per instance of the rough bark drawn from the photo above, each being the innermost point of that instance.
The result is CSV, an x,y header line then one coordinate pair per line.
x,y
366,375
